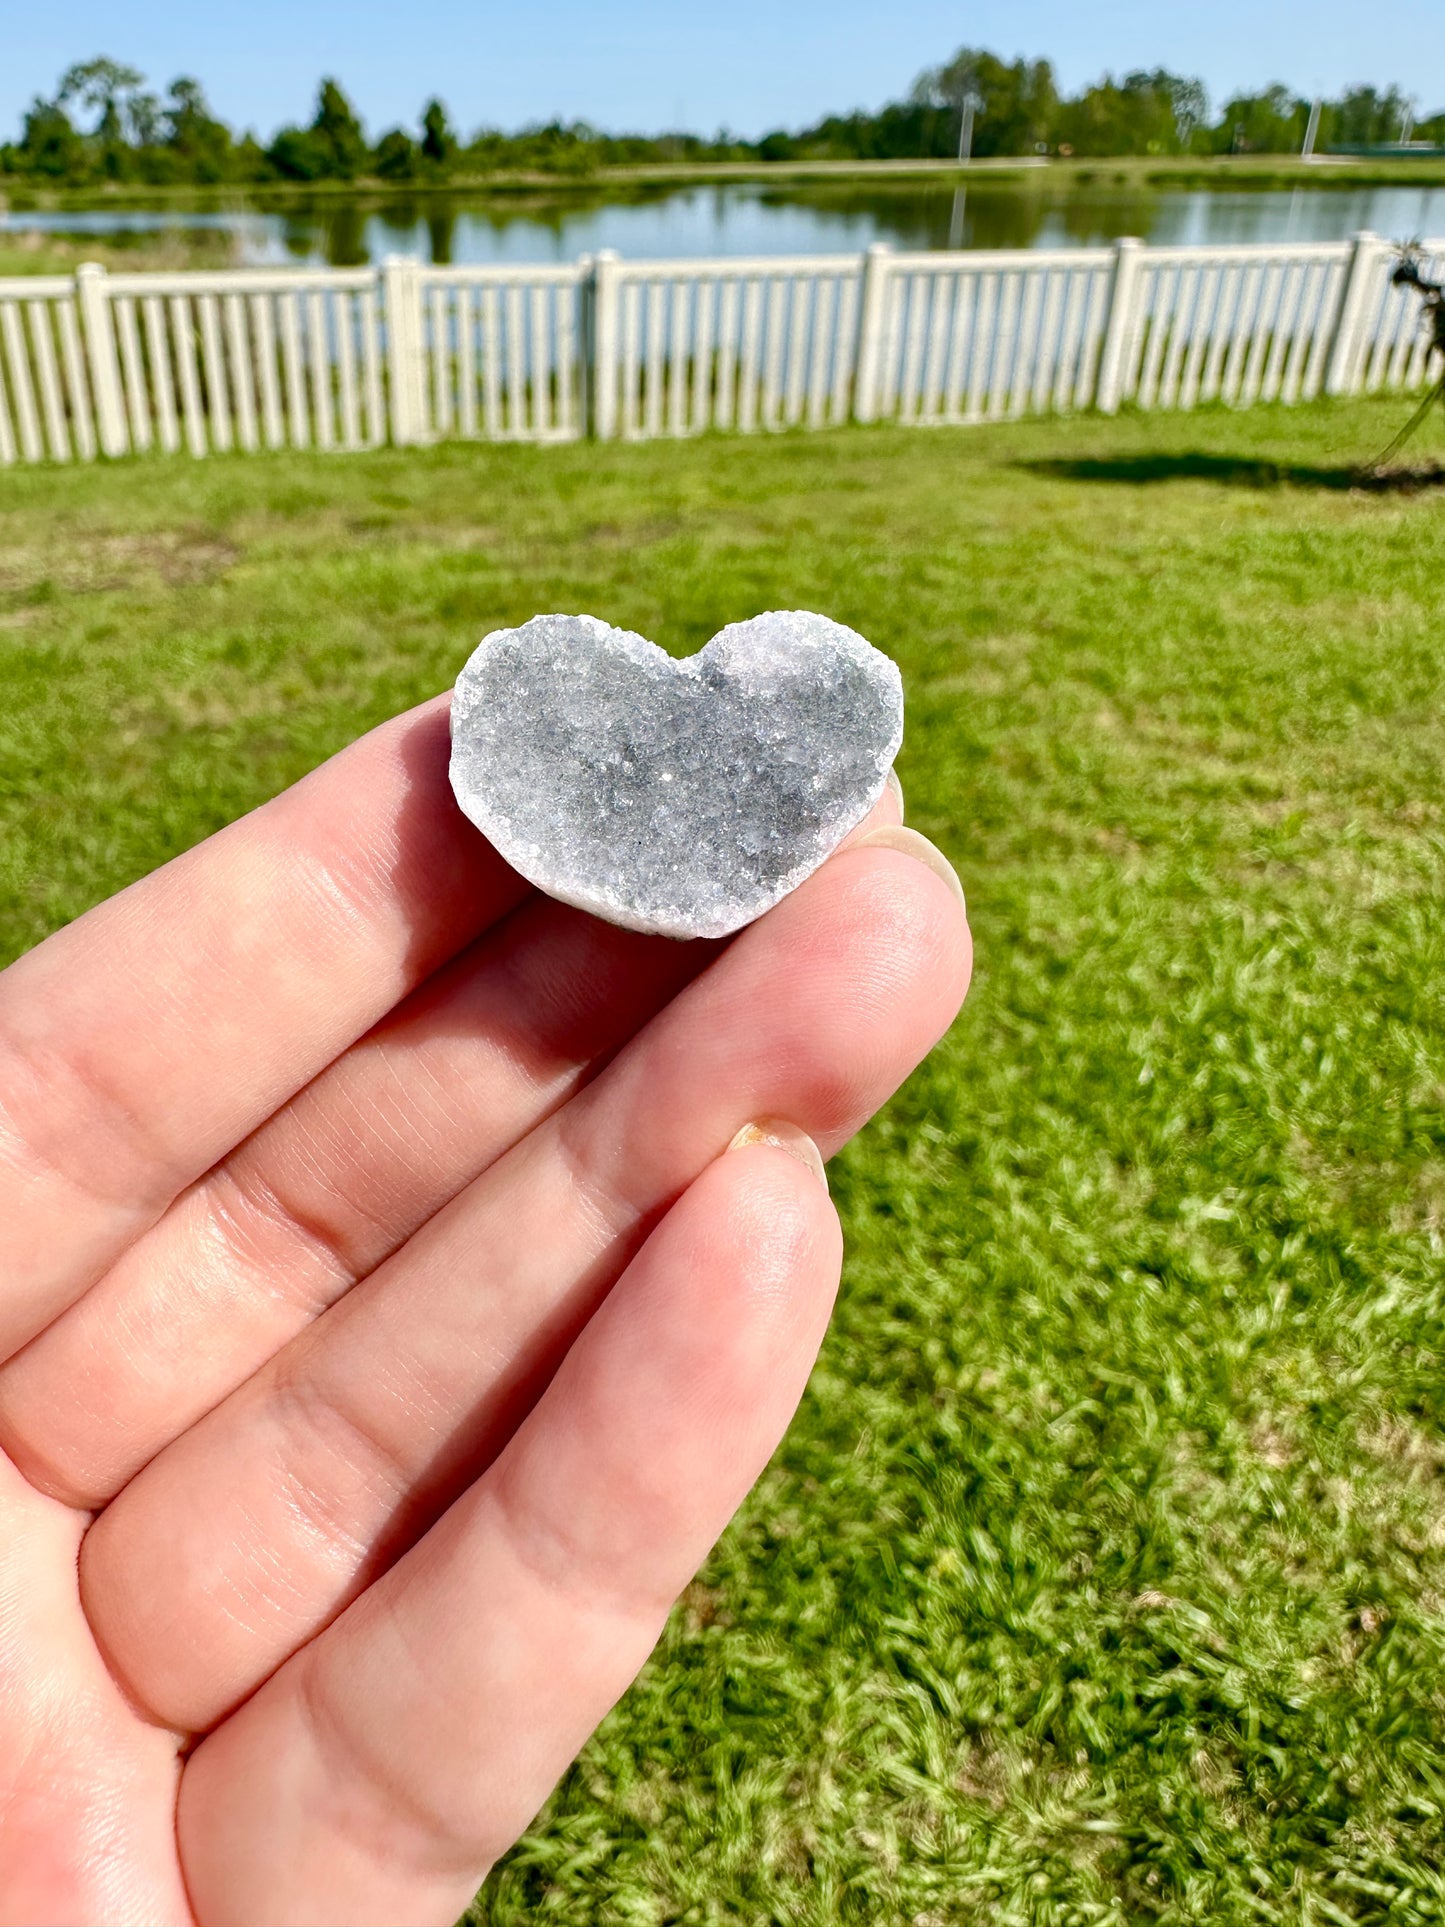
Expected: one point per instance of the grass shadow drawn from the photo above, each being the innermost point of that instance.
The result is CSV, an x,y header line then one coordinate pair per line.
x,y
1237,471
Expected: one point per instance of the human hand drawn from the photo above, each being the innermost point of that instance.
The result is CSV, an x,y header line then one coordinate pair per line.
x,y
387,1334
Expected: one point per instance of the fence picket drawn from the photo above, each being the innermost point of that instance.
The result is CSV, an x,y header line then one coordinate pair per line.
x,y
569,422
192,413
1000,387
540,351
371,368
8,450
677,357
27,419
823,335
441,361
845,347
158,357
656,362
725,405
894,287
77,393
263,320
492,362
798,308
238,352
631,355
319,361
132,368
466,365
516,365
705,297
42,344
917,291
292,382
748,372
775,326
217,406
1072,322
348,401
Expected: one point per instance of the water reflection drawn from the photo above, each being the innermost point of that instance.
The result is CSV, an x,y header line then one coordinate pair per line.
x,y
736,218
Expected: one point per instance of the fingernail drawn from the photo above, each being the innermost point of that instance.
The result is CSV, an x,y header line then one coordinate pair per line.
x,y
787,1137
893,836
897,789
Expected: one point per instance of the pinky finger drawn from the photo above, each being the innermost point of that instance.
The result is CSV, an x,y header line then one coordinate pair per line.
x,y
377,1776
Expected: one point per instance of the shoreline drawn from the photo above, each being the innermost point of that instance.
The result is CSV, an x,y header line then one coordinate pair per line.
x,y
1250,173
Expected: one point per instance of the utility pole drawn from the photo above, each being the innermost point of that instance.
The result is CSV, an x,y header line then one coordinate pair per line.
x,y
1311,132
971,101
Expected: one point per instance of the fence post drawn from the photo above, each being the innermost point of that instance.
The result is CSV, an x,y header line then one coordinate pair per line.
x,y
586,335
604,344
407,397
98,335
1347,343
1121,328
872,330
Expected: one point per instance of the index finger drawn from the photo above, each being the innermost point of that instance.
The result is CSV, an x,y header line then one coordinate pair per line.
x,y
144,1041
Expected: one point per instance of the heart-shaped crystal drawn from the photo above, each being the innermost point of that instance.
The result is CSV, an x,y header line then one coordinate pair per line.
x,y
678,797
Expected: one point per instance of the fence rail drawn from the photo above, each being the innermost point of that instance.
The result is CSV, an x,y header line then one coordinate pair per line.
x,y
407,353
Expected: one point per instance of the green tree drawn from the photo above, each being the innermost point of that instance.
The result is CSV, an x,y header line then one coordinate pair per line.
x,y
49,145
339,133
199,143
144,120
104,86
333,147
1272,122
1015,101
396,154
1365,117
1144,113
438,141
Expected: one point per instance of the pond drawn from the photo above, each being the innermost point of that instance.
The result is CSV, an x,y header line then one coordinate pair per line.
x,y
753,217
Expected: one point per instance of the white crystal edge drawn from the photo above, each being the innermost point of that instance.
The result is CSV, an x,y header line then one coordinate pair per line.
x,y
610,910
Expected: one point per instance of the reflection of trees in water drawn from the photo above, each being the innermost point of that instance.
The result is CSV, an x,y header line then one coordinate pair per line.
x,y
835,216
336,230
981,215
440,223
909,216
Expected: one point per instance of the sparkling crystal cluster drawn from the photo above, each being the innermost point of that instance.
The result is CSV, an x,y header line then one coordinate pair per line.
x,y
681,797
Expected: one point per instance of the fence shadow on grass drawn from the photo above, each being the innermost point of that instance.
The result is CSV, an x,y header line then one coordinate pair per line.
x,y
1235,471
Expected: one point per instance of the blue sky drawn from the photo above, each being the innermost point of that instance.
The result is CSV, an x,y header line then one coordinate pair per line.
x,y
649,64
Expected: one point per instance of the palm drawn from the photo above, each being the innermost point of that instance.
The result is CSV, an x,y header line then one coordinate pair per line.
x,y
384,1340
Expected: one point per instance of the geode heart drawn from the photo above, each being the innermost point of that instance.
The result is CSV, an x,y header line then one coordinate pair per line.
x,y
684,797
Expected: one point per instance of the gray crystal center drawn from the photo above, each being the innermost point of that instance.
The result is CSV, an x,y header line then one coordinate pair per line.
x,y
682,797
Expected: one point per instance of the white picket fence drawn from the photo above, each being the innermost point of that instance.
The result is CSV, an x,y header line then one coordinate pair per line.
x,y
409,353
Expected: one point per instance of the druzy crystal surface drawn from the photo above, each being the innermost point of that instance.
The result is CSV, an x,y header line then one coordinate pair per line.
x,y
682,797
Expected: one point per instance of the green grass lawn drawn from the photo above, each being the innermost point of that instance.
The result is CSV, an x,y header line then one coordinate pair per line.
x,y
1102,1576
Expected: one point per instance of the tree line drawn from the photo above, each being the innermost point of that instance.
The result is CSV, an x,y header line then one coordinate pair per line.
x,y
105,124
